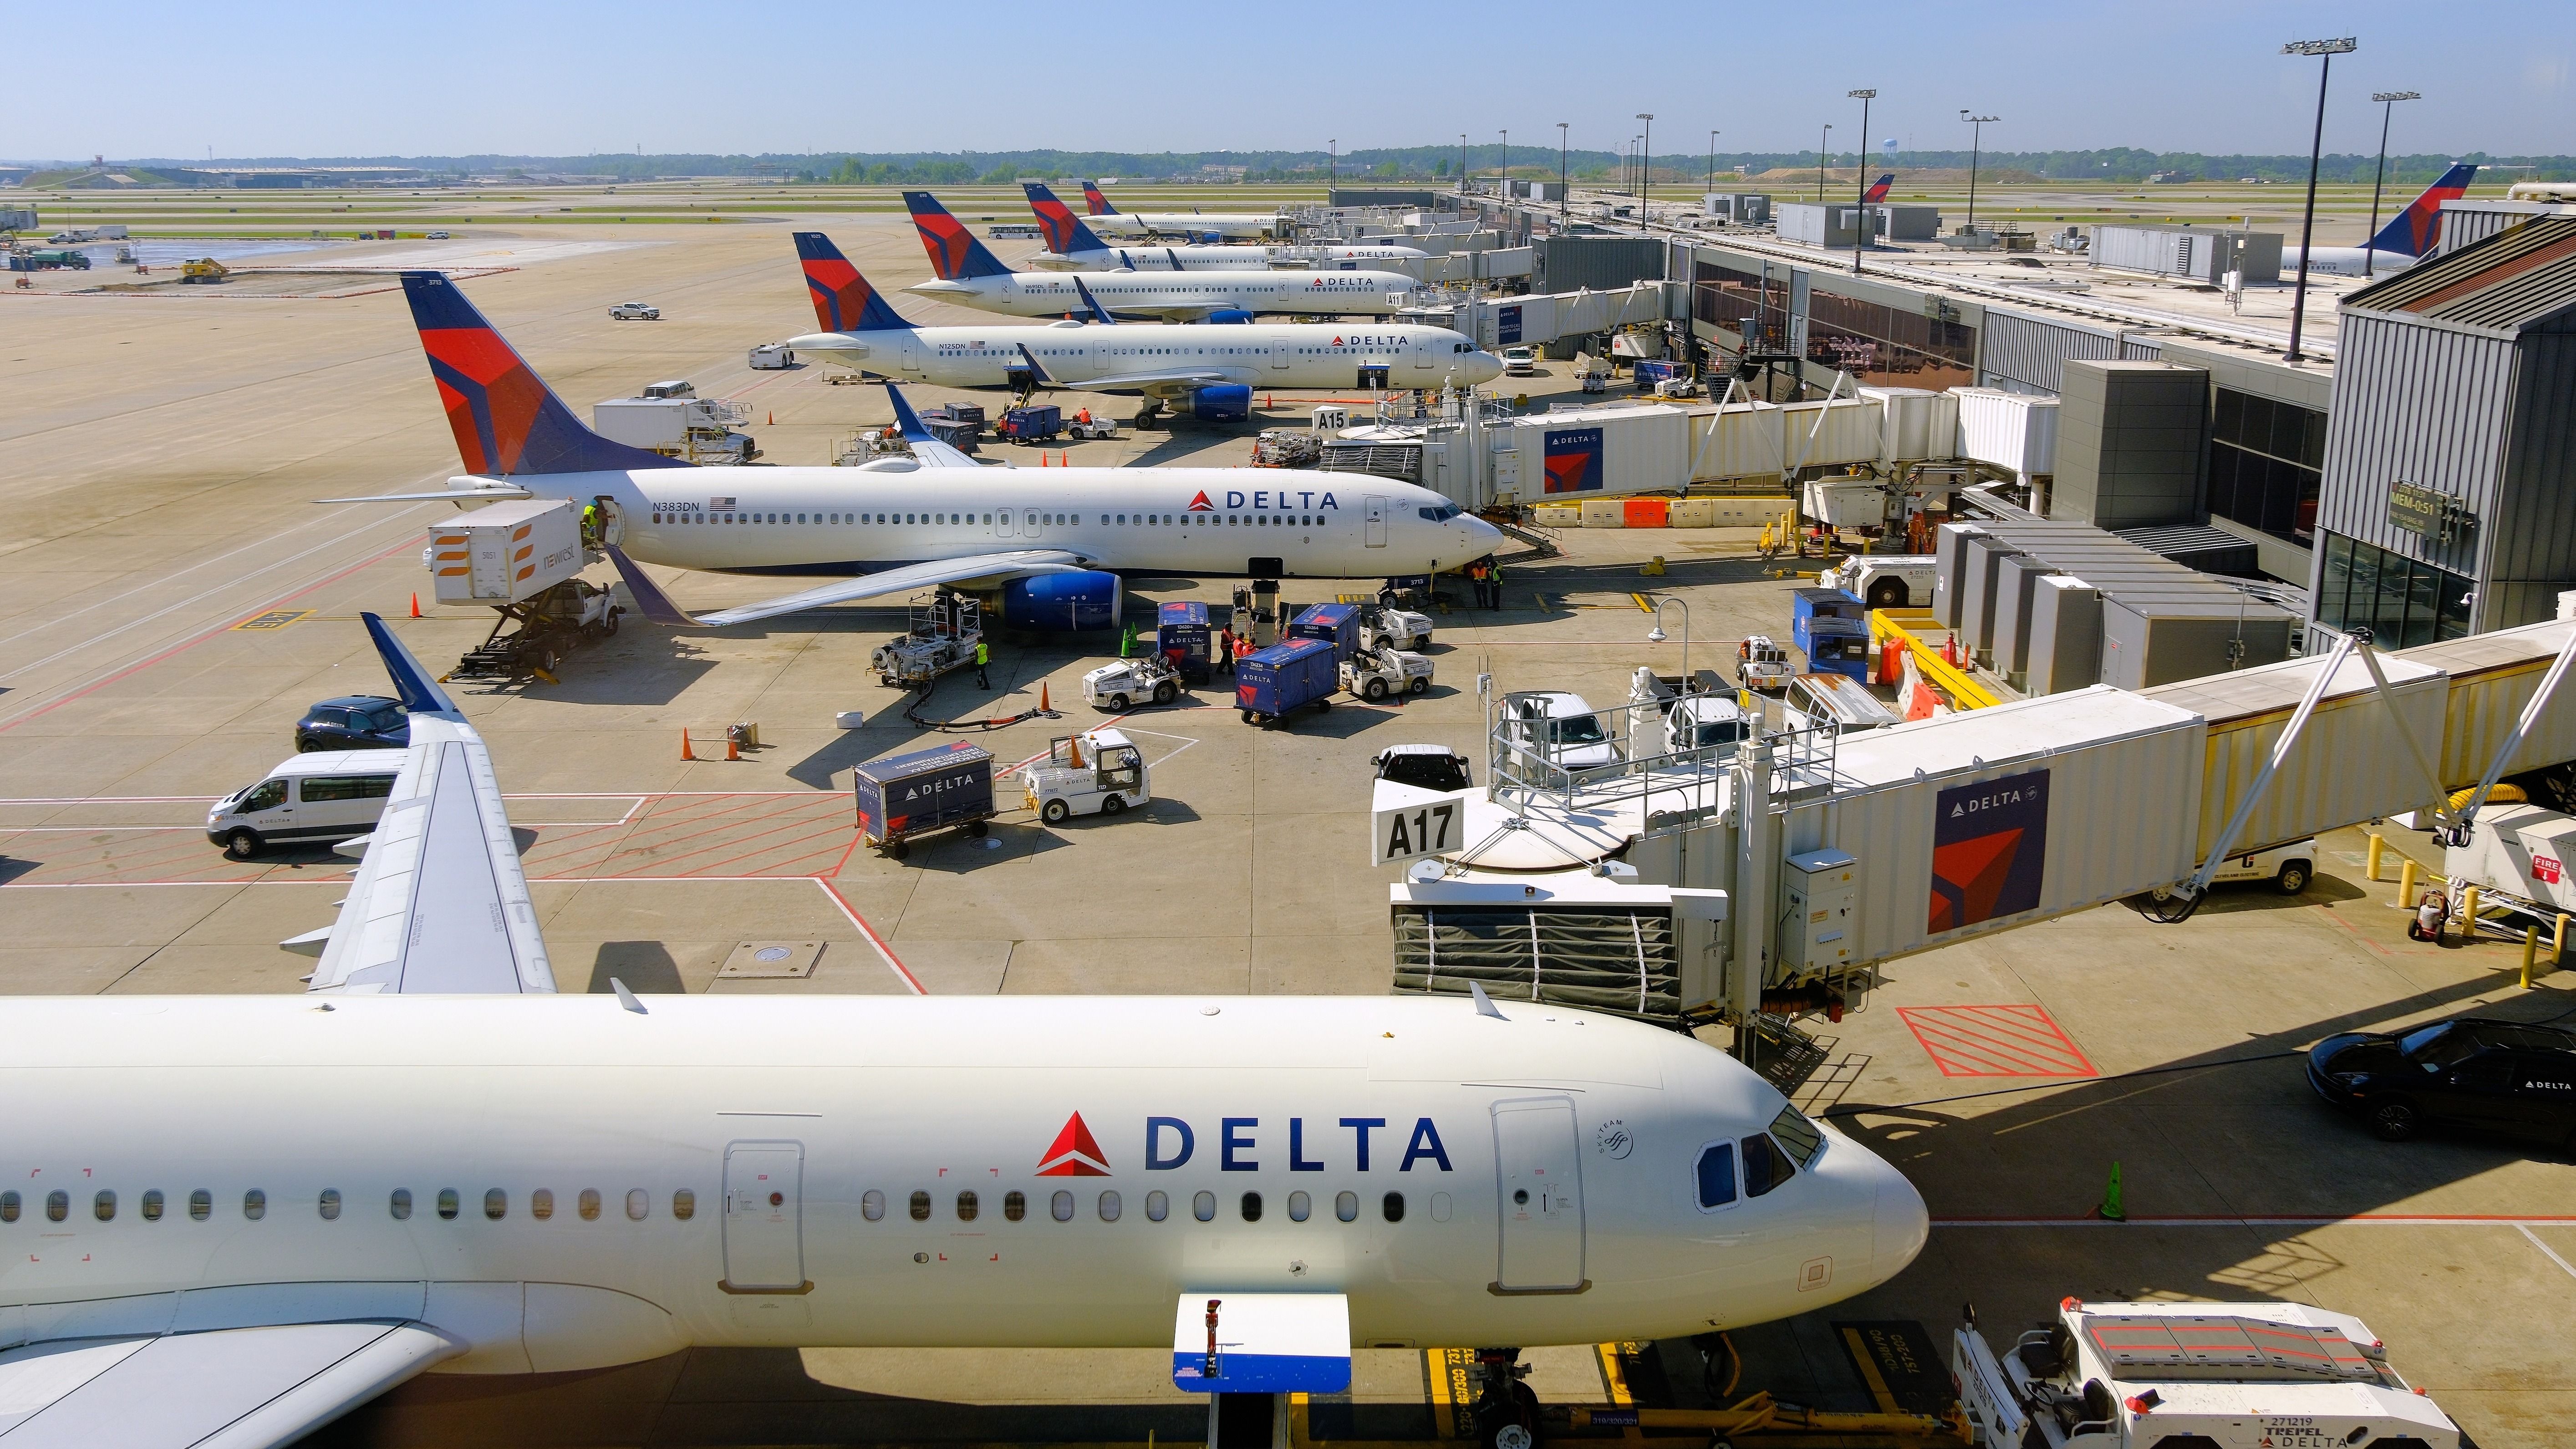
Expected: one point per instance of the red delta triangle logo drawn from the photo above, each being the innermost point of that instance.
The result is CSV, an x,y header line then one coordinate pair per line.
x,y
1200,504
1074,1153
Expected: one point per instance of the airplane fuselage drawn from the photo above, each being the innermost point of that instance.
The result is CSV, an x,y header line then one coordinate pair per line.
x,y
2347,261
568,1185
1055,294
1281,355
1185,223
1221,258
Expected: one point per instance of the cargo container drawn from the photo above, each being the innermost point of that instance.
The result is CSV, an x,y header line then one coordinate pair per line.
x,y
904,796
506,553
2319,786
1905,221
1337,625
2015,587
1268,683
1652,370
1183,634
2149,640
1978,574
1838,646
1601,452
1806,605
2203,254
1950,555
1827,224
2493,677
1033,423
2008,429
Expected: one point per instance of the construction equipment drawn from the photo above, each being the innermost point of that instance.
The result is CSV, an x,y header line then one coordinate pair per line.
x,y
941,637
1097,772
202,271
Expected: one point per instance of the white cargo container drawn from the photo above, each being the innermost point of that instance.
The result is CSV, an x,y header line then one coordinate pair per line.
x,y
2013,831
1599,453
2323,784
1915,424
2493,677
505,553
2008,429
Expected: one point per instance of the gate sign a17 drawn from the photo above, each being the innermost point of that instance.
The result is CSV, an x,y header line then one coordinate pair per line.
x,y
1573,460
1989,845
1435,825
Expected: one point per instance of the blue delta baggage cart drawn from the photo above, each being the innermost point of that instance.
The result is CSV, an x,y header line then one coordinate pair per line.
x,y
1838,646
1183,635
1810,604
902,796
1268,683
1335,624
1034,423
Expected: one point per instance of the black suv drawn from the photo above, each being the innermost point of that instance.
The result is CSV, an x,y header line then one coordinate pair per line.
x,y
2494,1076
1428,767
354,722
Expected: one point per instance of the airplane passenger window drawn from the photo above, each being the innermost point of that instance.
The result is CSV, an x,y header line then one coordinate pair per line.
x,y
58,1206
1060,1207
588,1205
1765,1166
639,1204
1300,1207
153,1203
447,1203
201,1204
1203,1207
684,1204
541,1204
1346,1206
1110,1207
1716,1175
1393,1207
967,1207
1252,1207
1797,1136
400,1204
9,1202
496,1204
330,1205
104,1206
1015,1206
254,1204
1157,1207
872,1205
1122,520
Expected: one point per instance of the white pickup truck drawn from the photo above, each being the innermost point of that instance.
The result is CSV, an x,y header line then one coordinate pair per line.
x,y
1097,772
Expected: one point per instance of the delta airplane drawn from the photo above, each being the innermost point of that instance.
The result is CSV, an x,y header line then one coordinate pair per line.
x,y
1209,369
1071,246
1246,224
1053,544
2410,236
228,1220
969,274
1878,189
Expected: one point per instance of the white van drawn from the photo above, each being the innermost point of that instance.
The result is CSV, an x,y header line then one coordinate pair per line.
x,y
322,799
1813,699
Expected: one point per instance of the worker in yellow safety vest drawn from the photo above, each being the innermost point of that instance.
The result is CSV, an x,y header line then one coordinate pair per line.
x,y
983,656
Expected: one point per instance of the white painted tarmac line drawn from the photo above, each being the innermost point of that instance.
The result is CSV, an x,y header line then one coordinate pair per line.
x,y
2546,1251
883,951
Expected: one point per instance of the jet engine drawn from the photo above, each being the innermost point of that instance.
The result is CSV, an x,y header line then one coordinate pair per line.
x,y
1058,603
1225,403
1230,314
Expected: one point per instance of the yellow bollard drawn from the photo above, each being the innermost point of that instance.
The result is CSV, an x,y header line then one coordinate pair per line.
x,y
2406,884
2378,844
2469,916
2558,943
2530,948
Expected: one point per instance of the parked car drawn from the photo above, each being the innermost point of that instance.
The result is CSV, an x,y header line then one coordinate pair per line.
x,y
2475,1072
634,312
354,722
434,235
1520,360
1558,727
1425,767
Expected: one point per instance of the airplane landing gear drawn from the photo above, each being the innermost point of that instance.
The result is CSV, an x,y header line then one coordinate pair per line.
x,y
1506,1409
1147,411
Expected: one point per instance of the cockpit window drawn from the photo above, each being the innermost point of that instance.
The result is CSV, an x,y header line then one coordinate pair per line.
x,y
1440,513
1765,1166
1797,1136
1716,1176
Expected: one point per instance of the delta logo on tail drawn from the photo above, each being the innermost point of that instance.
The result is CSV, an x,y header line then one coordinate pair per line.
x,y
1878,189
1095,202
2418,229
490,396
945,238
1074,1153
1200,504
843,300
1055,219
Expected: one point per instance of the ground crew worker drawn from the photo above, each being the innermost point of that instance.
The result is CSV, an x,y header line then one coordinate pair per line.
x,y
983,656
1493,586
590,525
1225,650
2429,914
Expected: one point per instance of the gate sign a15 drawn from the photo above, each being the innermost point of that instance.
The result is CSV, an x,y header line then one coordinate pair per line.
x,y
1989,845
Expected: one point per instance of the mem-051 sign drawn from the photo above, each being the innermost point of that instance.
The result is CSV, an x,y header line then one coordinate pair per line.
x,y
2429,514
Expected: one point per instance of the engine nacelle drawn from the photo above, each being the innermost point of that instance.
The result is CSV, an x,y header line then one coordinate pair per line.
x,y
1224,403
1061,603
1230,314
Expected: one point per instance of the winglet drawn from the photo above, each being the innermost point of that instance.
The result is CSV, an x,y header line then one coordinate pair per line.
x,y
908,422
419,693
1099,313
625,998
1485,1004
1035,371
656,605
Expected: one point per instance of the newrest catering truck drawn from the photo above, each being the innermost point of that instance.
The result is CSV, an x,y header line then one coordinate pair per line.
x,y
520,558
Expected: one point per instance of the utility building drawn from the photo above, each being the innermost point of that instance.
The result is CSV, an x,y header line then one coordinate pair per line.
x,y
2448,502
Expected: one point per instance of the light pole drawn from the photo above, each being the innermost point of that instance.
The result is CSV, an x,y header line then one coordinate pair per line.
x,y
1820,161
1333,148
1462,163
2325,51
1563,205
1658,636
1507,164
1860,182
1712,160
2388,107
1646,170
1976,138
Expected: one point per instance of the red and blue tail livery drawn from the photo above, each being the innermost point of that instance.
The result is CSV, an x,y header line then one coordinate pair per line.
x,y
508,423
843,300
1097,203
2415,231
1065,233
1878,189
954,253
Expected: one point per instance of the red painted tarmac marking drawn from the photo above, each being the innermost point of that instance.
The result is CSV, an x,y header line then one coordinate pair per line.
x,y
1995,1041
873,938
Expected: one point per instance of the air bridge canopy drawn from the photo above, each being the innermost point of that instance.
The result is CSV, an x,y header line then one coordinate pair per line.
x,y
1262,1343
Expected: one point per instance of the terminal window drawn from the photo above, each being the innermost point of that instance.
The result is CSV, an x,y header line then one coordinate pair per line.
x,y
2402,601
2266,460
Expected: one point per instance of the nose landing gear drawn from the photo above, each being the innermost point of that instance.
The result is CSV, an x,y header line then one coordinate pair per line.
x,y
1506,1409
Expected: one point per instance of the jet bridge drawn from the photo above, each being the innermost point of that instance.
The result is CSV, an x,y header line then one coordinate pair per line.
x,y
1875,845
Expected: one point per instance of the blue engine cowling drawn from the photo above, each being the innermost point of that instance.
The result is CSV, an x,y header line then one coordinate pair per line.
x,y
1224,403
1059,603
1230,314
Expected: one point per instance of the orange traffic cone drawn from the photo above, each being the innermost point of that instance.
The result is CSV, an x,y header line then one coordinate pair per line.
x,y
685,752
733,747
1043,706
773,417
415,604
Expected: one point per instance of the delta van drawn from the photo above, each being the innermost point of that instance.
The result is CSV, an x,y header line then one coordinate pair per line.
x,y
321,798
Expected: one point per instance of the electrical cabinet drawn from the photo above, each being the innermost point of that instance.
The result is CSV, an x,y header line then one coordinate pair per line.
x,y
1822,888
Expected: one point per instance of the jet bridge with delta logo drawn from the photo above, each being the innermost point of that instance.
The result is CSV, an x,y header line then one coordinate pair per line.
x,y
1601,867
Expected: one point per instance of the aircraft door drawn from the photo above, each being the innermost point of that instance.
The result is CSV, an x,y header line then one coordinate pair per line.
x,y
1421,355
1033,523
764,1236
612,522
1281,355
1375,515
1538,1177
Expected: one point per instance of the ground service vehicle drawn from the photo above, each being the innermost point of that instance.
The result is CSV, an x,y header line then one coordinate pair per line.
x,y
1384,624
354,722
1268,683
434,235
1817,699
2492,1076
1091,429
772,357
311,799
1097,772
202,271
943,634
1560,728
1373,674
551,624
1520,360
1891,581
634,312
2192,1376
1761,664
903,796
1123,682
2288,868
1713,723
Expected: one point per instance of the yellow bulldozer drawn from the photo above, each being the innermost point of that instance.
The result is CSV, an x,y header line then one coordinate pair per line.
x,y
204,269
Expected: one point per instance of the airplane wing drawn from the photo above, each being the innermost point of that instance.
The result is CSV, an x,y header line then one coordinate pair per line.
x,y
997,567
233,1388
440,903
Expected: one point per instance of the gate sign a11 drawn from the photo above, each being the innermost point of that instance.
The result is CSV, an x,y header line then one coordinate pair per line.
x,y
1573,460
1989,846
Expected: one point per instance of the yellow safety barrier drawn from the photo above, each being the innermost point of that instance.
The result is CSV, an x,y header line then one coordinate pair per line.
x,y
1964,691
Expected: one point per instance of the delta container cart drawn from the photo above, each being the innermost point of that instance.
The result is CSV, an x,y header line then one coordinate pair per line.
x,y
903,796
1268,683
1183,634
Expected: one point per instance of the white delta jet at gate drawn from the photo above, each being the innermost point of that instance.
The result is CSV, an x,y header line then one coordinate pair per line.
x,y
225,1220
1207,369
1243,225
1072,246
966,272
1054,543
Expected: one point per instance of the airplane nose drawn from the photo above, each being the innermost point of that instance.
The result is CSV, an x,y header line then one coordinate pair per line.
x,y
1901,1226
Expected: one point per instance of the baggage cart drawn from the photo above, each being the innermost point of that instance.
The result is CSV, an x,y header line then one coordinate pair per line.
x,y
1268,683
1032,424
905,796
1184,635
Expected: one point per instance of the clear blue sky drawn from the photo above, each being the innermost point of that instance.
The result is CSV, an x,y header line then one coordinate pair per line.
x,y
156,79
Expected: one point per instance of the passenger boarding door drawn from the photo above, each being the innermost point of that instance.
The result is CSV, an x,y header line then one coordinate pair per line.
x,y
1536,1172
1376,517
1421,355
764,1237
1281,355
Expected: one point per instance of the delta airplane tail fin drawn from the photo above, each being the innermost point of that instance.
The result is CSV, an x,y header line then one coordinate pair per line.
x,y
1065,233
2415,231
507,421
954,253
843,300
1878,189
1097,204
